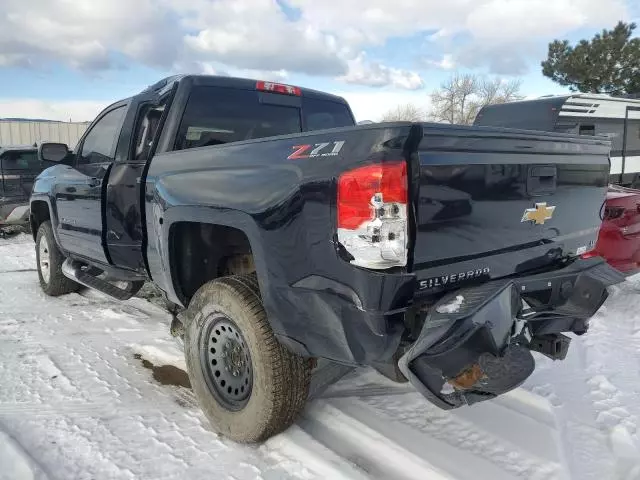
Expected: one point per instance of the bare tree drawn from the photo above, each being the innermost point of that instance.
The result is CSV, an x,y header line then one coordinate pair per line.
x,y
460,98
404,113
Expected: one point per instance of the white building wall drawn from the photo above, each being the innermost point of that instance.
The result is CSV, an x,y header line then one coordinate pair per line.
x,y
27,132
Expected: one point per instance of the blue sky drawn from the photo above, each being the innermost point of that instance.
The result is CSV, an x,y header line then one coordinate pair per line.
x,y
68,58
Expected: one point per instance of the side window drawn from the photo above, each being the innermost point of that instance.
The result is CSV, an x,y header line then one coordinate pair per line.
x,y
321,114
146,129
566,128
633,137
613,129
587,130
100,143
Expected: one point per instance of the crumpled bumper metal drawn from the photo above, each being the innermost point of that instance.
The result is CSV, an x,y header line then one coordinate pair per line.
x,y
475,342
14,211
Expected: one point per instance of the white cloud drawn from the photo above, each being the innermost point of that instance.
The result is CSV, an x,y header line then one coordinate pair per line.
x,y
77,111
375,74
85,34
440,34
256,35
507,35
508,20
447,62
372,105
489,29
215,68
520,18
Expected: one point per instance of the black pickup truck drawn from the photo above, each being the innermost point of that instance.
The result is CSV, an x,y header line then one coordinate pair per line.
x,y
439,254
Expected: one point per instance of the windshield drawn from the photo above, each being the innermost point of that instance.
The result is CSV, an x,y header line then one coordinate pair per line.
x,y
20,160
216,115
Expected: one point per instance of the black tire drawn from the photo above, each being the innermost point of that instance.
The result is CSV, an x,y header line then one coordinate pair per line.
x,y
55,283
280,379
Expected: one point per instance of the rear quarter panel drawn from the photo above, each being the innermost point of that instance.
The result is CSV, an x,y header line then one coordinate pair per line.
x,y
286,206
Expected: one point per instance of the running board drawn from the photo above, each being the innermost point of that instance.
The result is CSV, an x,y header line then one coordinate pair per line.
x,y
73,269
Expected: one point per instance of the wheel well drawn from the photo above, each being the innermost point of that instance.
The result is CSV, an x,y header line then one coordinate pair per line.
x,y
200,252
39,212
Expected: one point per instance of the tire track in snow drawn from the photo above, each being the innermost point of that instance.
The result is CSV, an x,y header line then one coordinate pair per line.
x,y
363,428
376,446
16,462
515,437
383,445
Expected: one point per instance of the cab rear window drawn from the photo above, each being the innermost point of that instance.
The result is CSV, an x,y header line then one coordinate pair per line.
x,y
215,116
17,160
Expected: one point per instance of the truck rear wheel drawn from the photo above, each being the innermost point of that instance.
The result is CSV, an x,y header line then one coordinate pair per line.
x,y
49,259
249,386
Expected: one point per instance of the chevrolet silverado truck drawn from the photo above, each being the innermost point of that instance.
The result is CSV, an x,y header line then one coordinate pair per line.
x,y
284,233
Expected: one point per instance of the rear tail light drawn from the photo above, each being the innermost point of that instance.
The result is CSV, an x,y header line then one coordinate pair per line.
x,y
278,88
372,215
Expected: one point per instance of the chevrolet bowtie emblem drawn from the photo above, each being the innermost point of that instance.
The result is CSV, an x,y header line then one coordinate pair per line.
x,y
540,214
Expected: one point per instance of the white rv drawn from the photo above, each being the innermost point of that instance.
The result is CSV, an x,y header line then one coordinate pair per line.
x,y
584,114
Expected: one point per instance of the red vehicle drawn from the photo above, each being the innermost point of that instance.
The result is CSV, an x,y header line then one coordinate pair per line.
x,y
619,237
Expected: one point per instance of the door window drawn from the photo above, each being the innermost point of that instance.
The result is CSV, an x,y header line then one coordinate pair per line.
x,y
100,143
146,130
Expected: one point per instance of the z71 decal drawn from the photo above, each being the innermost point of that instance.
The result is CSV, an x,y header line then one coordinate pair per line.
x,y
326,149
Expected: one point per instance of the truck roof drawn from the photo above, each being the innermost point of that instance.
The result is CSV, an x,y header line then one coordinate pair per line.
x,y
236,82
17,147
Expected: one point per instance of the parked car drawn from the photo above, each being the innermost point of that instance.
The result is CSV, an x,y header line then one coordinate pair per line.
x,y
619,236
19,165
286,233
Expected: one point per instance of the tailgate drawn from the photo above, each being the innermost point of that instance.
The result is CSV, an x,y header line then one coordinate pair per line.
x,y
494,202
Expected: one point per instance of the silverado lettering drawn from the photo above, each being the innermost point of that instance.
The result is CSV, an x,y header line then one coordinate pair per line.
x,y
444,280
268,265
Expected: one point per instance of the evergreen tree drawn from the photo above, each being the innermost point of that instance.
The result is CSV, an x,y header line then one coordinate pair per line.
x,y
608,63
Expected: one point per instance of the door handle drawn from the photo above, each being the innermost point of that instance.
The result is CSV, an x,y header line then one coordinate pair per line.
x,y
542,179
94,182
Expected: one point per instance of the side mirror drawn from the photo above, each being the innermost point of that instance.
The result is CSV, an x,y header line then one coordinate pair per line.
x,y
52,152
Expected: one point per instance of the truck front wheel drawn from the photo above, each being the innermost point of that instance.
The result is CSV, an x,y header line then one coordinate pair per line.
x,y
49,259
249,386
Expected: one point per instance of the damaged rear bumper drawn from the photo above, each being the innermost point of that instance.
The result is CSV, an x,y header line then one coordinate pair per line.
x,y
476,343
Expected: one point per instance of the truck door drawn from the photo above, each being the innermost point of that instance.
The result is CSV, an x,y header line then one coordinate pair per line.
x,y
79,193
124,225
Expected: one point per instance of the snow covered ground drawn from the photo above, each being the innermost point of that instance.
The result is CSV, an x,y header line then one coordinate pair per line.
x,y
95,389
